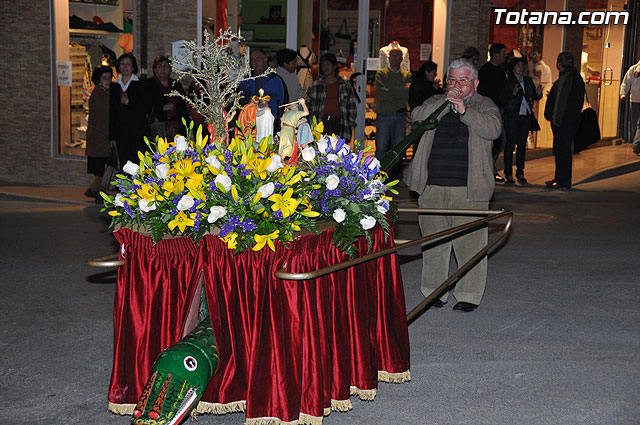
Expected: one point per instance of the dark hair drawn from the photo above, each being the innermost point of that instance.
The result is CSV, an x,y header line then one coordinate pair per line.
x,y
285,56
331,58
428,66
514,61
159,59
134,62
565,59
496,48
97,73
470,52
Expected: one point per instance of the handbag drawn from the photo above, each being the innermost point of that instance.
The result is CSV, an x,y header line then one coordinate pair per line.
x,y
588,130
110,170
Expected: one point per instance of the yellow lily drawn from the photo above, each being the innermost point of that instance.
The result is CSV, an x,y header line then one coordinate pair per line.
x,y
230,240
113,213
258,167
284,203
182,221
149,193
317,130
184,168
163,145
201,142
173,185
194,184
262,240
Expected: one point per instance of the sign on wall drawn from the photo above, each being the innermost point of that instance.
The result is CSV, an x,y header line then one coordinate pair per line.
x,y
63,72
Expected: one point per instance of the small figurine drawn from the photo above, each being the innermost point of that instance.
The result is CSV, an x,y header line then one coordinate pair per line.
x,y
264,117
247,121
290,120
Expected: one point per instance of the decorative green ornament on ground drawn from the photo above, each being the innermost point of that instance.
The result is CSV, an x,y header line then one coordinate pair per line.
x,y
178,379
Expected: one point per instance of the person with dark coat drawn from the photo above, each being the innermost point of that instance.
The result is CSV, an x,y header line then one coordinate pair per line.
x,y
128,111
563,110
424,84
516,98
492,77
98,146
167,112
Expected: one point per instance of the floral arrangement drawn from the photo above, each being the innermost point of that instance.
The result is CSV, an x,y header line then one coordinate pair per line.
x,y
244,192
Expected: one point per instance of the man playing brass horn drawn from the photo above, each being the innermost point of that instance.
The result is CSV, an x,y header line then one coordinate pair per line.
x,y
453,169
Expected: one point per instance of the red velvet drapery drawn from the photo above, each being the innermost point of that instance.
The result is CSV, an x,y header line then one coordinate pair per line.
x,y
288,349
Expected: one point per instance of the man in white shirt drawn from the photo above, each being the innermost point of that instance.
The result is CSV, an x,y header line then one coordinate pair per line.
x,y
630,88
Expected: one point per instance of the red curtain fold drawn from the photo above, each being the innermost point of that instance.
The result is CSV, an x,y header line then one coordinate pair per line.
x,y
290,347
153,294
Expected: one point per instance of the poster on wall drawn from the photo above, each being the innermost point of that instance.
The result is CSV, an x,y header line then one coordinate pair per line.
x,y
425,51
63,72
179,53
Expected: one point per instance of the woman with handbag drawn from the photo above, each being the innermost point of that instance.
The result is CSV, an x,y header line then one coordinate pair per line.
x,y
517,96
98,145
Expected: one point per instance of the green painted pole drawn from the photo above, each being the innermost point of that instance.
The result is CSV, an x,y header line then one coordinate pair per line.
x,y
392,157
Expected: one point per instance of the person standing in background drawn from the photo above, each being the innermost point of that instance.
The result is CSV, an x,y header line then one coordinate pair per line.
x,y
331,100
492,78
630,87
517,96
128,123
563,109
392,93
167,112
424,84
287,63
98,145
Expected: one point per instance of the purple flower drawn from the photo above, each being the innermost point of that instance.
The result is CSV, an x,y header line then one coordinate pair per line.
x,y
127,209
248,225
278,214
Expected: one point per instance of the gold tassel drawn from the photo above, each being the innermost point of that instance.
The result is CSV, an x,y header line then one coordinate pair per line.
x,y
305,419
122,409
395,378
341,405
368,395
221,409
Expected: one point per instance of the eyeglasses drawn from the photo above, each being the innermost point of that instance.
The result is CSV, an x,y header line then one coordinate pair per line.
x,y
463,83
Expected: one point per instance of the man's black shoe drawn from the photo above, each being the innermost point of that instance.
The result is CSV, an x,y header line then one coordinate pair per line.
x,y
438,303
550,183
556,186
464,306
499,178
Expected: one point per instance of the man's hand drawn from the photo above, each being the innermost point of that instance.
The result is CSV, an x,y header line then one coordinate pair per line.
x,y
454,95
623,98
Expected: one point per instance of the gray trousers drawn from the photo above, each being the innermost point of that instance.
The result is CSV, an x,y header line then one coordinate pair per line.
x,y
435,258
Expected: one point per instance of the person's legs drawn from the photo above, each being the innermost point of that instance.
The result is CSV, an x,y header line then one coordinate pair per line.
x,y
524,124
511,130
635,116
384,125
435,256
564,160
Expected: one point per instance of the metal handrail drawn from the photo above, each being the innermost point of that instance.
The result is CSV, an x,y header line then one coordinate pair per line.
x,y
111,260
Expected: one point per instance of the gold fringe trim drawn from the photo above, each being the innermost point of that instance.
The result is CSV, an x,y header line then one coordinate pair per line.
x,y
395,378
272,421
341,405
305,419
221,409
368,395
326,411
122,409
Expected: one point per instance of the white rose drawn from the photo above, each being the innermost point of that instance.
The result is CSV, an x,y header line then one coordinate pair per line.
x,y
131,168
225,181
374,164
323,145
118,200
213,161
367,222
308,154
185,203
344,150
162,171
339,215
181,143
332,181
266,190
145,207
332,157
216,213
276,163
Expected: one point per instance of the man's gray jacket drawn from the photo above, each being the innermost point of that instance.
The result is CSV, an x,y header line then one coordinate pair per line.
x,y
483,119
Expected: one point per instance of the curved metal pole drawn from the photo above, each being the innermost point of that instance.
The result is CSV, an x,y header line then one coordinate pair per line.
x,y
110,260
282,274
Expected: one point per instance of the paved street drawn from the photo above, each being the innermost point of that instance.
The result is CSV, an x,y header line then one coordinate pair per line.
x,y
555,341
